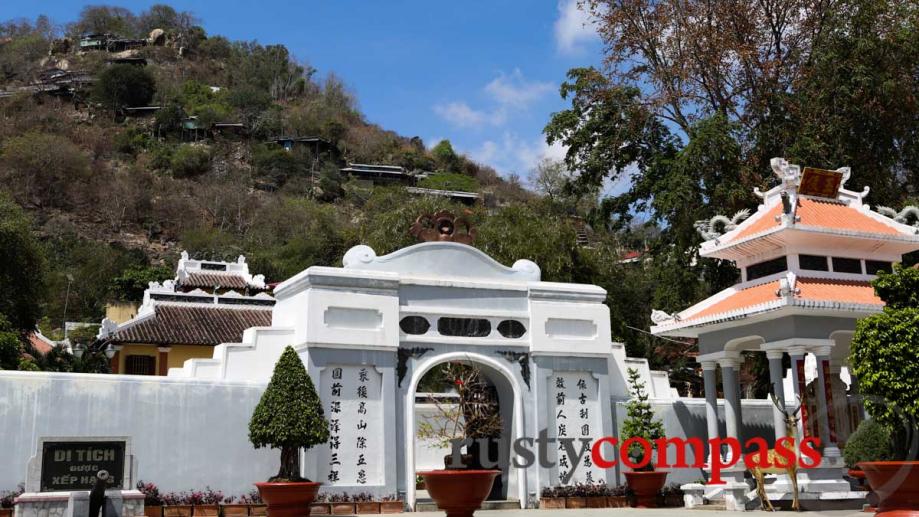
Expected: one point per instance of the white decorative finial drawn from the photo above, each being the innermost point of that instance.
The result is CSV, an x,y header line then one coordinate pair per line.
x,y
241,259
184,255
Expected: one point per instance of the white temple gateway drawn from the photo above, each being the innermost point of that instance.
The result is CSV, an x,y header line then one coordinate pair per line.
x,y
806,258
368,332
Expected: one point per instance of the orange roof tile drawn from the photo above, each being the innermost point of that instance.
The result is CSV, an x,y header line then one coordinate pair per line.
x,y
819,213
766,222
829,290
830,214
744,298
815,289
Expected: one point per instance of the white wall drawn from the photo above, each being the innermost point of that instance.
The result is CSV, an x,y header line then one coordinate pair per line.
x,y
185,434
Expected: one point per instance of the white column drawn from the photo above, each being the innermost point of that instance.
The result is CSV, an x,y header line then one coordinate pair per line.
x,y
840,401
797,381
732,416
776,375
825,407
711,403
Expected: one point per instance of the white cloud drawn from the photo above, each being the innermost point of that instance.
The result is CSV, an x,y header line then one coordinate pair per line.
x,y
514,90
507,92
515,154
460,114
573,28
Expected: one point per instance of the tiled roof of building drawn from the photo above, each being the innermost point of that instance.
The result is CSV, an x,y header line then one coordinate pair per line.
x,y
211,280
192,325
39,343
810,290
818,213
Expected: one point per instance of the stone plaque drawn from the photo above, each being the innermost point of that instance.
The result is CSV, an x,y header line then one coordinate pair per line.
x,y
352,396
574,399
72,465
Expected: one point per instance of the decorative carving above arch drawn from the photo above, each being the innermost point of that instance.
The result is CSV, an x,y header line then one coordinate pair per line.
x,y
443,226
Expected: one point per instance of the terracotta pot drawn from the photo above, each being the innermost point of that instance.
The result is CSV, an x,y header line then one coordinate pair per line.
x,y
552,503
235,510
871,498
646,485
178,510
459,492
367,507
896,484
596,501
392,506
617,501
320,509
206,510
288,499
258,510
149,511
6,512
575,502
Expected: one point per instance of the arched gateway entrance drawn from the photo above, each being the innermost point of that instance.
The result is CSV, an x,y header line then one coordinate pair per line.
x,y
368,332
510,403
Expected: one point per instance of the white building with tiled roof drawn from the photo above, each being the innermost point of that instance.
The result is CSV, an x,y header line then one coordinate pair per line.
x,y
806,258
206,304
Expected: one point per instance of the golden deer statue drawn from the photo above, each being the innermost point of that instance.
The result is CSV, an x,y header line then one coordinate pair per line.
x,y
780,464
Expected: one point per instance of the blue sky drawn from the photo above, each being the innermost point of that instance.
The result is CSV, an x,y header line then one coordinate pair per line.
x,y
483,74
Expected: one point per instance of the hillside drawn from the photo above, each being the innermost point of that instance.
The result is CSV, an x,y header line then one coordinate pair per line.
x,y
150,136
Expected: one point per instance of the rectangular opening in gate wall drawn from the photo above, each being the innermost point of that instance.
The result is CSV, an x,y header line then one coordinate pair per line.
x,y
574,399
352,398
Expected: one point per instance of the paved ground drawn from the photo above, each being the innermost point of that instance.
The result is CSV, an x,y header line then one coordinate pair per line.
x,y
659,512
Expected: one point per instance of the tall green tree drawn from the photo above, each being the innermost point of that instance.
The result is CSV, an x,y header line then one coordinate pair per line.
x,y
124,86
22,267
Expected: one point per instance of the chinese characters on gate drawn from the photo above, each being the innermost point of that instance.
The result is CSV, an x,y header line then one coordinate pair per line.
x,y
355,425
576,416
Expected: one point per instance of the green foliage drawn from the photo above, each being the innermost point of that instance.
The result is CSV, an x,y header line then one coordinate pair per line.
x,y
132,141
189,161
28,365
105,19
131,283
450,181
10,348
445,157
22,268
289,415
883,357
124,86
91,266
900,288
39,168
169,118
329,182
640,420
870,442
201,101
29,42
276,165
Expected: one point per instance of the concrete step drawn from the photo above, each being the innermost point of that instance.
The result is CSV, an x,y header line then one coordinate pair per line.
x,y
430,506
718,505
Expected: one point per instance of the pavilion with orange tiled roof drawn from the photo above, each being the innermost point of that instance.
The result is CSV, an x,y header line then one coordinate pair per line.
x,y
806,258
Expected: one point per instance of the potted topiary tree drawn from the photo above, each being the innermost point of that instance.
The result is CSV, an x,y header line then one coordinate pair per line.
x,y
870,442
460,489
643,480
289,417
883,358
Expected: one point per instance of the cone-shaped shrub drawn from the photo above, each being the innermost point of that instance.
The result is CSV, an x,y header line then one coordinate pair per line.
x,y
289,416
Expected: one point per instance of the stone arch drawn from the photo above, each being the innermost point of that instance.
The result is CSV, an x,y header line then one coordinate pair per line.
x,y
517,428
